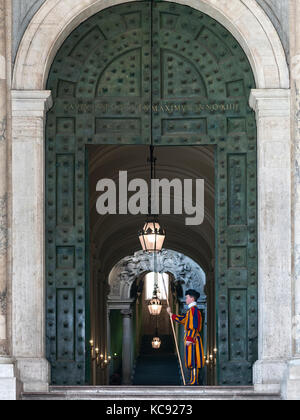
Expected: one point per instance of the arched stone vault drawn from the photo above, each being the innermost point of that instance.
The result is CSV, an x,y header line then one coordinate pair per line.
x,y
56,19
185,271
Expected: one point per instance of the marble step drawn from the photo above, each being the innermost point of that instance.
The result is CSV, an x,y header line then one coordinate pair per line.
x,y
160,393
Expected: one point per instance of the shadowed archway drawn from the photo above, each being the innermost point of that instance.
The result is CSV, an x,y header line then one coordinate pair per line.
x,y
114,237
128,284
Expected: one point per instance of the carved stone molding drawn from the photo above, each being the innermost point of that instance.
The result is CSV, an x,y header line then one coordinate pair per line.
x,y
55,20
126,313
186,272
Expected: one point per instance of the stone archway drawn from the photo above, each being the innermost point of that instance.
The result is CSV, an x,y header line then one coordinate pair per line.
x,y
271,103
185,272
57,19
183,268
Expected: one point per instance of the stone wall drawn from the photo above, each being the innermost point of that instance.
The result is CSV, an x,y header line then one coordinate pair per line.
x,y
278,12
23,11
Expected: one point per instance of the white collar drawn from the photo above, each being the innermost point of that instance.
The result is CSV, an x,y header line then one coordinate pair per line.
x,y
191,305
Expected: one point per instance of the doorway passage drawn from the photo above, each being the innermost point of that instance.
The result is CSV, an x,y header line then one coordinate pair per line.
x,y
122,328
133,75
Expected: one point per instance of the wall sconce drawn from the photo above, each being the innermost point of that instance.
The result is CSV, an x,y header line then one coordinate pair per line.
x,y
211,358
102,361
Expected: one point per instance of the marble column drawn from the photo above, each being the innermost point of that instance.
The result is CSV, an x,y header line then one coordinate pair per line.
x,y
28,237
272,108
291,384
10,386
108,333
127,346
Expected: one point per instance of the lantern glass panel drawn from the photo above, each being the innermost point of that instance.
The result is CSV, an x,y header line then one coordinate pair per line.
x,y
152,237
155,307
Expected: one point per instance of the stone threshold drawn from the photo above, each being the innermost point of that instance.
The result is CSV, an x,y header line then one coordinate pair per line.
x,y
146,393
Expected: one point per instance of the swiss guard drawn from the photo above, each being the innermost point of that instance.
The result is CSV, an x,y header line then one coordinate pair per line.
x,y
192,321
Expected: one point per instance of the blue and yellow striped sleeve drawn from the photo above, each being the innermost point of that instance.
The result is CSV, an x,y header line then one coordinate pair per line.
x,y
181,319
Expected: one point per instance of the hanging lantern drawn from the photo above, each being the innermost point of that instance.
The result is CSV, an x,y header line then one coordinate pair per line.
x,y
155,306
152,237
156,343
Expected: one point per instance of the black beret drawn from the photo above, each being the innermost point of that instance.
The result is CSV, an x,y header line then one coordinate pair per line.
x,y
193,293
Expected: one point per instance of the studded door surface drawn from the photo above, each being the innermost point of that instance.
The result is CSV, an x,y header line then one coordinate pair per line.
x,y
103,91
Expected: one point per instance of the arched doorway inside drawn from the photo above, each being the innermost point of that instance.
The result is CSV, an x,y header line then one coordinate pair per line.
x,y
103,80
113,237
131,289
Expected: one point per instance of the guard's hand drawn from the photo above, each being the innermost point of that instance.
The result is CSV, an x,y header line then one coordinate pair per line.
x,y
188,343
169,311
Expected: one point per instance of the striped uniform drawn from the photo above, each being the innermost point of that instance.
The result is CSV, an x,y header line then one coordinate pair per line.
x,y
194,354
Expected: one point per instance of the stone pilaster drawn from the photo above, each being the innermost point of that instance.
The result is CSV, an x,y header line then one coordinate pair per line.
x,y
272,108
108,330
295,83
291,383
10,386
28,242
127,346
3,185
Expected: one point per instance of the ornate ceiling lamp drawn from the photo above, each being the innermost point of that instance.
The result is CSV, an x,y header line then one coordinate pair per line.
x,y
155,306
152,236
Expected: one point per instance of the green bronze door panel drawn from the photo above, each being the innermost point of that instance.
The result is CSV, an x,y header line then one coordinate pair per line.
x,y
101,84
201,85
102,90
